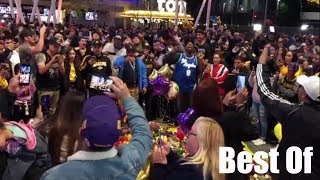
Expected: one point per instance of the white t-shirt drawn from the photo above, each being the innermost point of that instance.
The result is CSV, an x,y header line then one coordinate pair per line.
x,y
14,59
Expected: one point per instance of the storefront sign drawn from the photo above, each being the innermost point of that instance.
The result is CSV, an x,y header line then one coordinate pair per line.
x,y
170,5
5,9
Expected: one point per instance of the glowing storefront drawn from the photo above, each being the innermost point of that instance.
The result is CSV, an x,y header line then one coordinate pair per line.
x,y
165,14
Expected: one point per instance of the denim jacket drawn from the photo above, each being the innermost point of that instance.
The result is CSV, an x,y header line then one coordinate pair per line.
x,y
143,79
118,164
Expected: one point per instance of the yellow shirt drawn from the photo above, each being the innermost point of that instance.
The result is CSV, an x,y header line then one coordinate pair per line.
x,y
284,71
73,75
299,72
3,83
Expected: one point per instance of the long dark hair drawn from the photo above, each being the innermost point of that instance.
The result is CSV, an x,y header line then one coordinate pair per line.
x,y
66,122
207,91
76,60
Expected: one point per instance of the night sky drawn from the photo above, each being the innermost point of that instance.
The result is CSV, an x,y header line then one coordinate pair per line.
x,y
193,7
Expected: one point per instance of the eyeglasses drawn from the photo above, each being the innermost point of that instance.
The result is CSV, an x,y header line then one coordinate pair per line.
x,y
190,133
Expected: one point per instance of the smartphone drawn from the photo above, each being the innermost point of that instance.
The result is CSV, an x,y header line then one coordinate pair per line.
x,y
25,73
45,105
100,83
241,83
269,51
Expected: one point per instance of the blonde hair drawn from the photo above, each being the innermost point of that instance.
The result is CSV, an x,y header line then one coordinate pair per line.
x,y
210,137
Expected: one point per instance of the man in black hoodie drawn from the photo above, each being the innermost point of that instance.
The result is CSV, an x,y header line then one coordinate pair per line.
x,y
300,122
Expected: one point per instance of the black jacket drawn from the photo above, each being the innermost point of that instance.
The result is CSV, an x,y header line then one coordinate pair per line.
x,y
101,68
78,84
6,103
237,127
175,170
300,126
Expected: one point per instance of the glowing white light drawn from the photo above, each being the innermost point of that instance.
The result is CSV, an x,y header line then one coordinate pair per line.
x,y
304,27
272,29
257,27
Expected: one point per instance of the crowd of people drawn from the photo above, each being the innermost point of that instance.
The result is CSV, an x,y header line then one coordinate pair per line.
x,y
62,119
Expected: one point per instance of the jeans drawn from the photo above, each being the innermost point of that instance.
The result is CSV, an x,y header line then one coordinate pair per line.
x,y
258,112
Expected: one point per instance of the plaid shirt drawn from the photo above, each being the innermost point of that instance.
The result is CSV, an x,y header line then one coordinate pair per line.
x,y
14,145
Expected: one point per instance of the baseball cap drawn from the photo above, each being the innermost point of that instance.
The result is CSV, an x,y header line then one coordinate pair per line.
x,y
311,85
293,66
130,49
201,31
236,49
100,128
146,46
55,41
96,43
302,45
109,48
118,37
292,48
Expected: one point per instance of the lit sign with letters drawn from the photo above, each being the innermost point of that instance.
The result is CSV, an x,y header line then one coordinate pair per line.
x,y
170,5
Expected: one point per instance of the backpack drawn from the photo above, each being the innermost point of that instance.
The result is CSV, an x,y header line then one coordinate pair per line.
x,y
27,164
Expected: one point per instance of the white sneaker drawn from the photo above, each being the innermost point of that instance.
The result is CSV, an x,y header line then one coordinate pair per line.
x,y
256,140
259,142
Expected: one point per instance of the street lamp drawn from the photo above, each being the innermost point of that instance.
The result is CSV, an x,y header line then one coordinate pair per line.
x,y
265,13
304,27
257,27
272,29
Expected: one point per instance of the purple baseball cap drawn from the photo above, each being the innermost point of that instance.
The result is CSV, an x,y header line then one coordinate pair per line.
x,y
100,129
293,67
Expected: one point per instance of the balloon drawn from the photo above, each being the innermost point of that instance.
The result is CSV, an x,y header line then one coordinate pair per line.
x,y
183,119
160,86
153,75
173,91
278,131
200,55
166,72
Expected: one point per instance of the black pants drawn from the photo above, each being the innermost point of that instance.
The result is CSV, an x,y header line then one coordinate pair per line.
x,y
184,101
148,103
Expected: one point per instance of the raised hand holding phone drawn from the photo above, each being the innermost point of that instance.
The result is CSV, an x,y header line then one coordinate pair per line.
x,y
253,71
240,83
25,73
160,152
264,56
43,29
242,96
